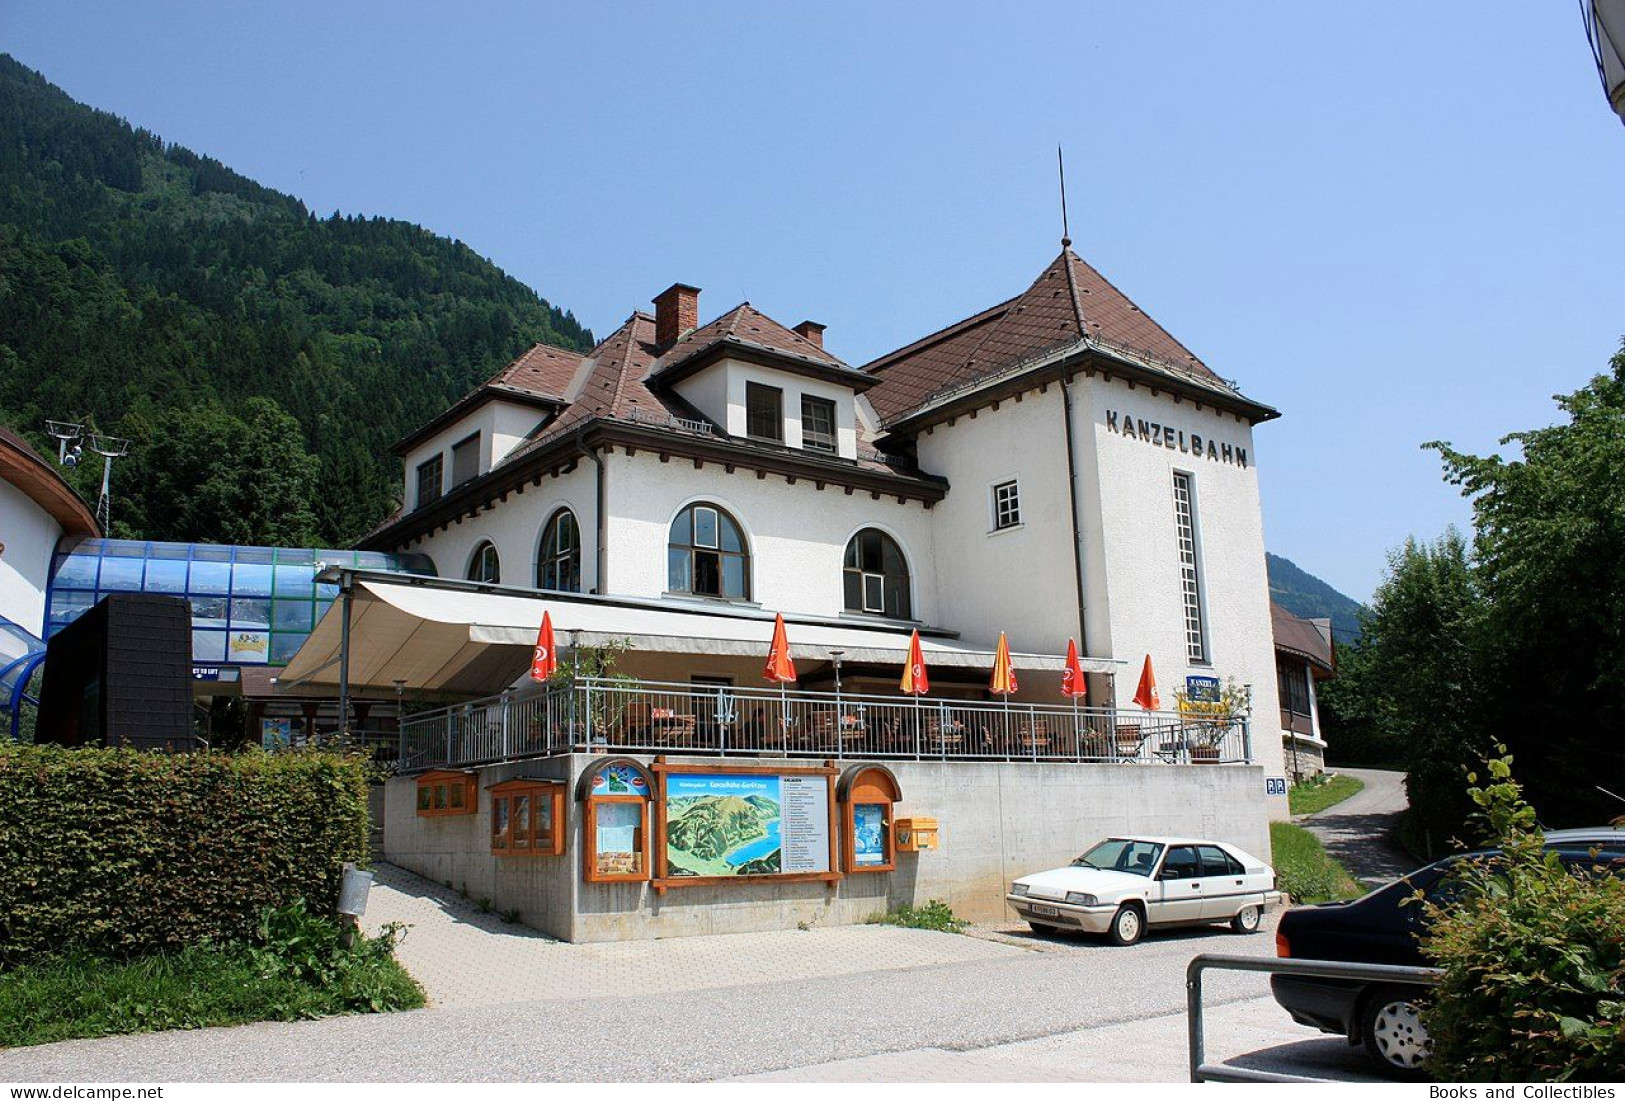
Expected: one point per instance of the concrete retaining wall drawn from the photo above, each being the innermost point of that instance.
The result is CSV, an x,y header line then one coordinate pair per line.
x,y
999,820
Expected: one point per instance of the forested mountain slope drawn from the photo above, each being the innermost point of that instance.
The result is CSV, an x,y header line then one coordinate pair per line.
x,y
259,358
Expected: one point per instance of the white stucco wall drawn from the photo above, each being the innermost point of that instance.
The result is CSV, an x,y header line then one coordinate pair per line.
x,y
30,536
502,426
1019,580
1139,551
797,534
718,391
515,527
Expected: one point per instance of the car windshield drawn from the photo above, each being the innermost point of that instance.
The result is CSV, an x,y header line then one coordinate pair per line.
x,y
1121,854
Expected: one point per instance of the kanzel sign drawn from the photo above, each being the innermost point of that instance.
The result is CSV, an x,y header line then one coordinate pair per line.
x,y
1189,443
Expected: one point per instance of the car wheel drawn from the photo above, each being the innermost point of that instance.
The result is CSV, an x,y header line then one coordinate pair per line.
x,y
1246,921
1393,1032
1127,926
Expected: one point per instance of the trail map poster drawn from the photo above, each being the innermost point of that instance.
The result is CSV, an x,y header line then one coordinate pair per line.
x,y
724,824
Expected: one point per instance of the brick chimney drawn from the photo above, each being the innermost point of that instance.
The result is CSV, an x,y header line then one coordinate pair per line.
x,y
810,331
677,311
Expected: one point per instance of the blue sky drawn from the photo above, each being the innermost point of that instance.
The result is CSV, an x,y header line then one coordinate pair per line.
x,y
1394,222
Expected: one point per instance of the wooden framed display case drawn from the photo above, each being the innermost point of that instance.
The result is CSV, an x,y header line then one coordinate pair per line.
x,y
527,818
445,792
868,796
616,793
726,823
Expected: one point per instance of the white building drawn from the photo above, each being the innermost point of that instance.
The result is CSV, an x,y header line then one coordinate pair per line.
x,y
39,509
1055,467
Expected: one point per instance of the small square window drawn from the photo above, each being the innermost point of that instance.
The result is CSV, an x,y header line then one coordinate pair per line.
x,y
1006,506
764,412
429,481
874,592
817,424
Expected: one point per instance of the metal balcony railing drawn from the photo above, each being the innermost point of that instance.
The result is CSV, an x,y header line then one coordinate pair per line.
x,y
590,715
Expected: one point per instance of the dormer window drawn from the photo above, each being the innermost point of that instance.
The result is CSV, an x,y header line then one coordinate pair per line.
x,y
817,424
764,412
429,480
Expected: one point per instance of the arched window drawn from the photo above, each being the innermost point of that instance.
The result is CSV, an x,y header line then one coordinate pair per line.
x,y
558,563
484,565
876,575
706,554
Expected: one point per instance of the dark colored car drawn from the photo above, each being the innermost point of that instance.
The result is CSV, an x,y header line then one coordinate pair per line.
x,y
1381,927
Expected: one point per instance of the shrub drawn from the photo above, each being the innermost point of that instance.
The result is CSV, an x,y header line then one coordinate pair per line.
x,y
1534,963
120,852
935,915
297,968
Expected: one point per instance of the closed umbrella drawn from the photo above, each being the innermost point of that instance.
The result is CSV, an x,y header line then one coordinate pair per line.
x,y
1075,687
915,682
780,668
545,659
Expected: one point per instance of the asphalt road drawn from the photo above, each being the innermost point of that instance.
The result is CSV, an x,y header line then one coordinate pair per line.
x,y
700,1035
1359,831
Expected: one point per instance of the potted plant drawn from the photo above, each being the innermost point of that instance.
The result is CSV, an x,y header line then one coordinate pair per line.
x,y
1205,722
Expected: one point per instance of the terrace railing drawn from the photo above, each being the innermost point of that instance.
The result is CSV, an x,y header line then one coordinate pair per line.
x,y
608,714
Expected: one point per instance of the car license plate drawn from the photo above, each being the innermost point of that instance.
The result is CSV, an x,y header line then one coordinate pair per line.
x,y
1045,911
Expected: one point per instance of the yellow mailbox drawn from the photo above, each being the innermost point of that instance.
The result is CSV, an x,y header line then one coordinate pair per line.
x,y
916,834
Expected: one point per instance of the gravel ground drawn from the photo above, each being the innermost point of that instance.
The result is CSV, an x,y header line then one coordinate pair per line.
x,y
1065,985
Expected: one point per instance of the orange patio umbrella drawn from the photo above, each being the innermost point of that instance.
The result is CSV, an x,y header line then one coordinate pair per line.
x,y
1146,694
1004,674
545,659
780,668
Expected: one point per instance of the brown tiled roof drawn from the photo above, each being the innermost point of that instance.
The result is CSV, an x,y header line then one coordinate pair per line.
x,y
540,376
544,370
747,326
1069,301
1302,637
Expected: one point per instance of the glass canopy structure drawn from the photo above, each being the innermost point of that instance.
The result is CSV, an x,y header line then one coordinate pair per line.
x,y
250,605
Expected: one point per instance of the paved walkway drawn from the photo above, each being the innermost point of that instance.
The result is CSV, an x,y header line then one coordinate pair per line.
x,y
832,998
1359,831
464,957
1254,1033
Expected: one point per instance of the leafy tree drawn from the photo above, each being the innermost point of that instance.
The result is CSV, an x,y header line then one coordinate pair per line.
x,y
1550,551
1534,966
1521,640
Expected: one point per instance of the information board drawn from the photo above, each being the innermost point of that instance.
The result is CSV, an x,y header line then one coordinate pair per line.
x,y
739,824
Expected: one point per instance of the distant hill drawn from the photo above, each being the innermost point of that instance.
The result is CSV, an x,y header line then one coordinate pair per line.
x,y
260,357
1304,594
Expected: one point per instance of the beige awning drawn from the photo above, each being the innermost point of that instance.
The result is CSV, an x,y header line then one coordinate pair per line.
x,y
443,636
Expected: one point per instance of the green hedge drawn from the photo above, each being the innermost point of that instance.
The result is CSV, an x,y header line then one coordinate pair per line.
x,y
121,852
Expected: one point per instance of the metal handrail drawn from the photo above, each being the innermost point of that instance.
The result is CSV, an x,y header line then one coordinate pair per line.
x,y
587,713
1203,1071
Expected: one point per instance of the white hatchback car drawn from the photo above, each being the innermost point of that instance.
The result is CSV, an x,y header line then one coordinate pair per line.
x,y
1123,884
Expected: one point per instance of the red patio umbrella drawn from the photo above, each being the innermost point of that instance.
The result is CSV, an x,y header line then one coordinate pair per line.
x,y
1073,683
546,659
1146,694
